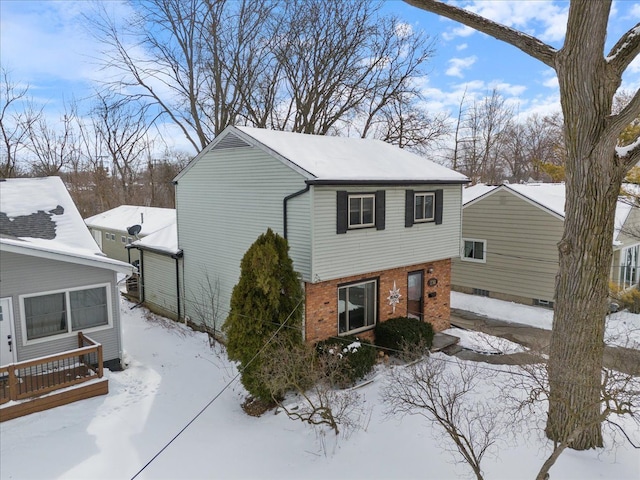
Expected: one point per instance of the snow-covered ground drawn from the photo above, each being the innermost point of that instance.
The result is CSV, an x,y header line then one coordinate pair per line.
x,y
623,328
173,374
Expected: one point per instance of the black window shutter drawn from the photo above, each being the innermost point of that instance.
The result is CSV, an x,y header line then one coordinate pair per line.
x,y
380,209
408,208
342,211
438,214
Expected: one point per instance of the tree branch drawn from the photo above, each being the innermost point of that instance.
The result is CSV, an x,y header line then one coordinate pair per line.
x,y
625,50
627,115
528,44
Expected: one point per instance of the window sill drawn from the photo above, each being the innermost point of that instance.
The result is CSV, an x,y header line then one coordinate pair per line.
x,y
61,336
357,330
472,260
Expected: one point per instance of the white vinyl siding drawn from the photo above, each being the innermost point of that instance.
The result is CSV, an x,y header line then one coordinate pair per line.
x,y
366,250
225,201
160,289
17,278
522,243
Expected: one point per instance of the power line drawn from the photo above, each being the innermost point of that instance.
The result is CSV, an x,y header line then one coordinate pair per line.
x,y
229,383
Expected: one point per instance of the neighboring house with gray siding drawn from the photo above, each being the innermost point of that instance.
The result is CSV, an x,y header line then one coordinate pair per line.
x,y
371,228
510,236
160,272
54,280
110,229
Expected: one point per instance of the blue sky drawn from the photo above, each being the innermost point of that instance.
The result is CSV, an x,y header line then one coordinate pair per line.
x,y
44,44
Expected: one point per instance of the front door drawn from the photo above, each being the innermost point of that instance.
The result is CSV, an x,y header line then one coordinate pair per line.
x,y
7,341
415,290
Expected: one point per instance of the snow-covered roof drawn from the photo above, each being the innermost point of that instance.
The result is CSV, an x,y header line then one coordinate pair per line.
x,y
347,158
475,191
164,240
38,217
323,158
550,196
151,219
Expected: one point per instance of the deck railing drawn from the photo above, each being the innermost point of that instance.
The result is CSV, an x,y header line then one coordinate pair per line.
x,y
43,375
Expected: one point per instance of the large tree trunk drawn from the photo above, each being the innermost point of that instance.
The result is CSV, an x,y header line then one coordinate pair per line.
x,y
577,343
588,82
586,249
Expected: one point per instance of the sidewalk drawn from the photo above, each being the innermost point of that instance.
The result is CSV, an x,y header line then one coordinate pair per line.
x,y
537,339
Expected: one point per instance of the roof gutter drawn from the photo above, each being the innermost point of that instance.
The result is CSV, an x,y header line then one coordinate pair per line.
x,y
385,182
284,205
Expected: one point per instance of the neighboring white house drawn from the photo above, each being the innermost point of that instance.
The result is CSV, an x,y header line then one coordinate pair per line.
x,y
510,236
54,280
112,229
369,225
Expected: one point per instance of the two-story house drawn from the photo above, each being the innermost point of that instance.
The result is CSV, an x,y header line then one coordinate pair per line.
x,y
371,228
510,236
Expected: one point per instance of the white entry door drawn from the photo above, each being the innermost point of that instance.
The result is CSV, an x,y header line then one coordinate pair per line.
x,y
7,340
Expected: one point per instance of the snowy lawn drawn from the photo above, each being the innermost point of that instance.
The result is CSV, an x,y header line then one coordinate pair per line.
x,y
623,328
173,374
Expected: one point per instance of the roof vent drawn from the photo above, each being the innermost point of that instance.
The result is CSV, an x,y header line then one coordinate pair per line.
x,y
230,141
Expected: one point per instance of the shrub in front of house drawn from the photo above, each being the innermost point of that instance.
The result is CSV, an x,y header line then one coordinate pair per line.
x,y
346,359
401,333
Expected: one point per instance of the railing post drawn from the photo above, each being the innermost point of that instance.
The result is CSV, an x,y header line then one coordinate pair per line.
x,y
99,360
13,383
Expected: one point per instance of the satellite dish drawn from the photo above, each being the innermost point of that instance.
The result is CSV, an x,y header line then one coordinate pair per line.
x,y
134,230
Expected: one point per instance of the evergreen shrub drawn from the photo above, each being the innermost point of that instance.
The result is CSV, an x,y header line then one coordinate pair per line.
x,y
399,333
352,358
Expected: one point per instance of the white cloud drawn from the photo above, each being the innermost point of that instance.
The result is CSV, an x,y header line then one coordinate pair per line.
x,y
507,89
546,20
635,10
457,65
461,31
462,46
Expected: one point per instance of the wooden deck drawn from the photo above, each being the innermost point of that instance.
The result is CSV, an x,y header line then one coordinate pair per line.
x,y
48,382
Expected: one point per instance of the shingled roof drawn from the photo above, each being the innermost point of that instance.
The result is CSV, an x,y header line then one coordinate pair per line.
x,y
38,217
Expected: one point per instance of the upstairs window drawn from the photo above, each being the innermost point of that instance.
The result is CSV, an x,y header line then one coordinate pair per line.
x,y
423,207
360,210
474,250
424,204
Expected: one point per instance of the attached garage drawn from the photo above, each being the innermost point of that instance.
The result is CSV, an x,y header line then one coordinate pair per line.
x,y
161,272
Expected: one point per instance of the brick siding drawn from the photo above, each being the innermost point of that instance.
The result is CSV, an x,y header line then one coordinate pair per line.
x,y
321,311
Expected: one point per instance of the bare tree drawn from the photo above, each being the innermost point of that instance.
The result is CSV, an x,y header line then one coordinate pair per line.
x,y
446,397
619,396
207,308
122,130
595,168
158,177
479,138
196,60
53,148
207,64
297,368
17,115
